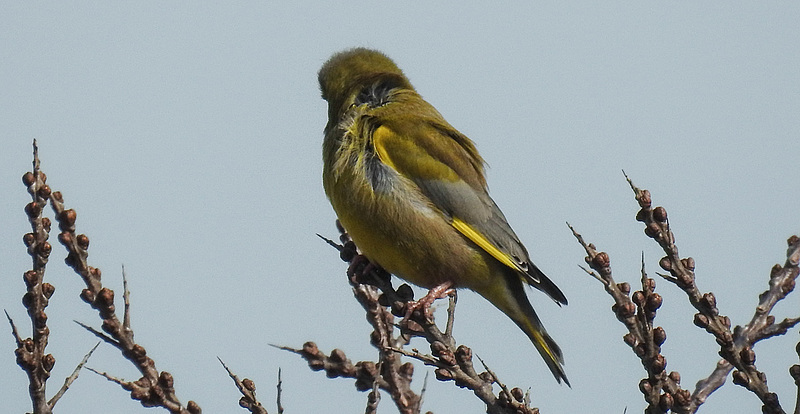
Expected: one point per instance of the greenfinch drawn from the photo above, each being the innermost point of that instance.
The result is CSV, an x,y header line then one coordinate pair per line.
x,y
411,192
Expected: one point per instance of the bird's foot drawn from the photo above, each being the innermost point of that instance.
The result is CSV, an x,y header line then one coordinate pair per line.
x,y
424,303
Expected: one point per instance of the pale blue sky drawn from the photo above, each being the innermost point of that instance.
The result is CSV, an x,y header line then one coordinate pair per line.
x,y
187,136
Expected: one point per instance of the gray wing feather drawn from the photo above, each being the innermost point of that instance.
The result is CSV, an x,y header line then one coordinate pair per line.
x,y
458,199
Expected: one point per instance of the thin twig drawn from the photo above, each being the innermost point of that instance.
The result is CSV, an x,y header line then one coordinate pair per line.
x,y
70,379
280,391
100,335
126,297
31,353
14,331
423,390
118,381
31,356
637,312
248,390
374,397
372,288
735,346
451,314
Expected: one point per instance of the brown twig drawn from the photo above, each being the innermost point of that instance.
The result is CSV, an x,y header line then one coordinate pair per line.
x,y
373,398
30,352
279,393
105,338
513,398
70,379
126,299
139,391
390,373
662,391
794,371
248,389
14,332
736,346
119,381
373,289
335,365
154,388
424,389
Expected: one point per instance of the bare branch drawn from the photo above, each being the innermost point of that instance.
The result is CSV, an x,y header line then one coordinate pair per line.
x,y
735,346
280,391
662,391
121,382
99,334
372,288
70,379
373,398
126,298
248,389
637,312
154,388
794,371
30,352
14,332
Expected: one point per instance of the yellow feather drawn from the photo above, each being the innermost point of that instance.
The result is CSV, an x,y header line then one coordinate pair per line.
x,y
537,336
483,243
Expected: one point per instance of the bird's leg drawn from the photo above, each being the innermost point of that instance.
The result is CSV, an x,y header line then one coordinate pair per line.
x,y
424,303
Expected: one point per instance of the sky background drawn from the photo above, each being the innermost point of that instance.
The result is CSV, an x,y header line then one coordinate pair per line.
x,y
188,138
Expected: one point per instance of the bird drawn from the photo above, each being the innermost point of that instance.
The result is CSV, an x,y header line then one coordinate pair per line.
x,y
411,191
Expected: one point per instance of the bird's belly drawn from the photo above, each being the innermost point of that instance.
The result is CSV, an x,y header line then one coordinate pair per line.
x,y
413,240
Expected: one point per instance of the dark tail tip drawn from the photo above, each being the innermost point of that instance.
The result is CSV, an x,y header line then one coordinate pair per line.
x,y
538,280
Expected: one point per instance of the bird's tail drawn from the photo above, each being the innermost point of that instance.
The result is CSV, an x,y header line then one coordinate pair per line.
x,y
514,303
546,346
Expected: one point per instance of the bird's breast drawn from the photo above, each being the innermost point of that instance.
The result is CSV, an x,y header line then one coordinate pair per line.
x,y
394,224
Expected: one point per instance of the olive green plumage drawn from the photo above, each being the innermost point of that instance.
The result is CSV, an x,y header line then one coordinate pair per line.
x,y
411,192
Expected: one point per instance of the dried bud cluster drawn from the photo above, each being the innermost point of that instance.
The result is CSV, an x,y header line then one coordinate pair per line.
x,y
637,310
154,388
30,353
373,289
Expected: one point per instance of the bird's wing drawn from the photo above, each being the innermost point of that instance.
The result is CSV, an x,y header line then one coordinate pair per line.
x,y
447,168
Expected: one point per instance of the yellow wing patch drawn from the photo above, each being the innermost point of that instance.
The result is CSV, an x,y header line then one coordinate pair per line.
x,y
484,244
411,155
379,136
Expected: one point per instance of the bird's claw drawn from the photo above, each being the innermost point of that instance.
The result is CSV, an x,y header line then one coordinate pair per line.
x,y
424,303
